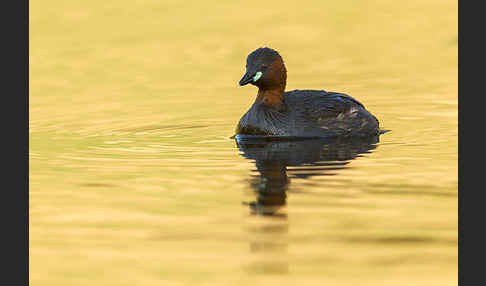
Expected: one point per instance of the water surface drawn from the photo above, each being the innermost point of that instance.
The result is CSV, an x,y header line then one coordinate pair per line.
x,y
134,179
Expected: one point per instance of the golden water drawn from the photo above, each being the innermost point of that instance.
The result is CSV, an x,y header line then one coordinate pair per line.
x,y
135,181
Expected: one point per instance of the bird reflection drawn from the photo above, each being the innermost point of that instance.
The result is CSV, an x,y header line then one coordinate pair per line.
x,y
278,161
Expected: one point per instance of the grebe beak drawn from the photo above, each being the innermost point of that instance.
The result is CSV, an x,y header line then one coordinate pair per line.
x,y
246,79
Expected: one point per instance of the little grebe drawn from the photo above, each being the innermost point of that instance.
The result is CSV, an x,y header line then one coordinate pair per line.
x,y
298,113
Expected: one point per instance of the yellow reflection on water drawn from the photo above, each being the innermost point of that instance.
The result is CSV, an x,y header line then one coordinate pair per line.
x,y
133,177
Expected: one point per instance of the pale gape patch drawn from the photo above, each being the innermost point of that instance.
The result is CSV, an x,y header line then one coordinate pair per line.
x,y
257,76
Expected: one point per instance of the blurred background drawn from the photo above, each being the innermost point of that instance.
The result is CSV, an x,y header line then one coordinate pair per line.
x,y
135,181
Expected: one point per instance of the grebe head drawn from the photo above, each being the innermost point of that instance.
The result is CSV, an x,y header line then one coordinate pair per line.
x,y
265,68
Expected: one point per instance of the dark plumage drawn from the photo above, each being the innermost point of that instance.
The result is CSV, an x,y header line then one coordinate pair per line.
x,y
298,113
